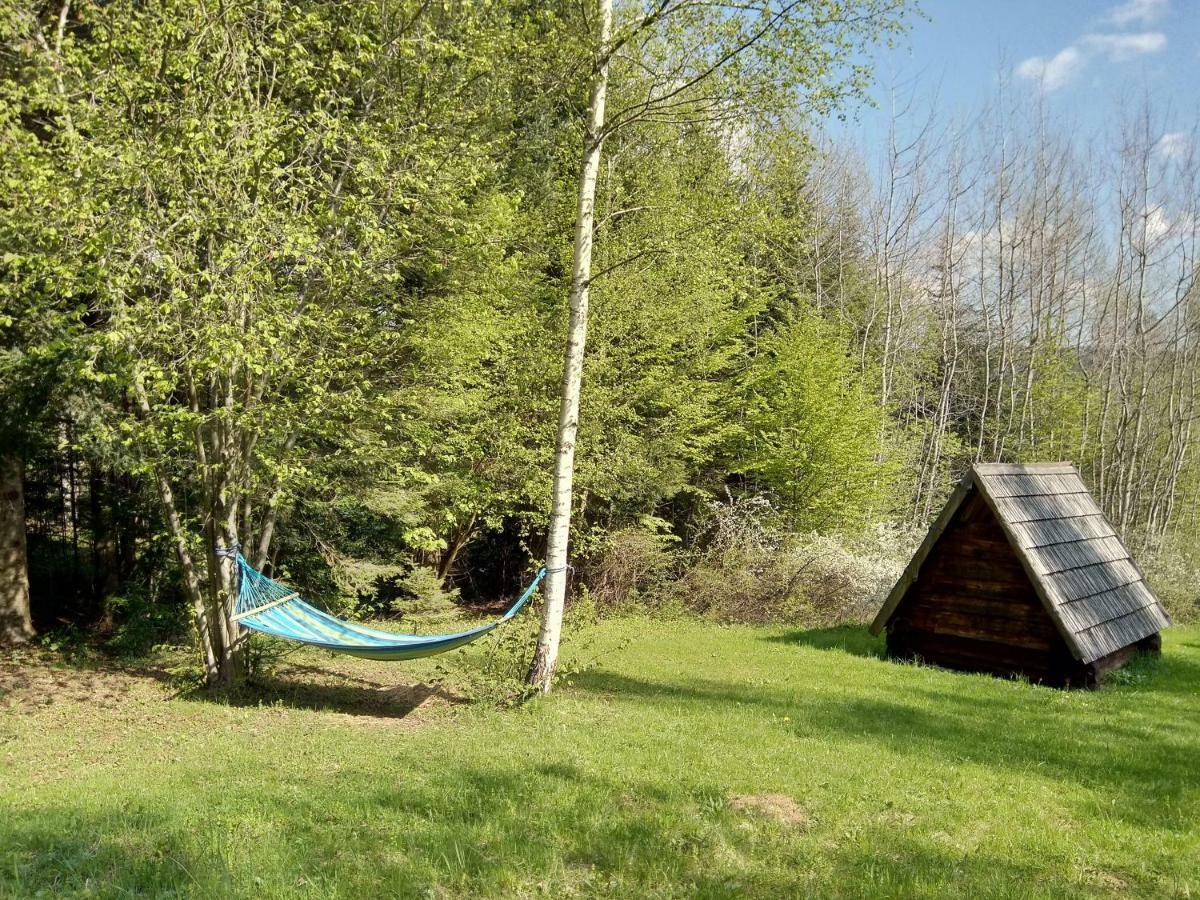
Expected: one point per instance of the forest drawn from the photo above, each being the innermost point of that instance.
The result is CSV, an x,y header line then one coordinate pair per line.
x,y
599,448
297,277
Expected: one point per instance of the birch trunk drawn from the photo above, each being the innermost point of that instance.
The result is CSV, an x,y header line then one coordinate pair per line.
x,y
15,624
541,670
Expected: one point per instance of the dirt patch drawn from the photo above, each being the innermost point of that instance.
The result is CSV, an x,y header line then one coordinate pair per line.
x,y
1101,878
33,679
778,807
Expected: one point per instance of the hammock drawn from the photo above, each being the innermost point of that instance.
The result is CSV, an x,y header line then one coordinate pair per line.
x,y
269,607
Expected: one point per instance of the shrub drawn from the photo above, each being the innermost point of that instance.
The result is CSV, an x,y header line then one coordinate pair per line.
x,y
812,429
745,567
141,620
492,671
812,580
422,593
848,578
1174,574
635,564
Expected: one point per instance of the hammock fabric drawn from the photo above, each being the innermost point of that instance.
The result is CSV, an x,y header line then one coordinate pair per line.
x,y
270,607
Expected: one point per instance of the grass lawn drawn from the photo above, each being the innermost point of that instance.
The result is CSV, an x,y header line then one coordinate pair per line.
x,y
692,760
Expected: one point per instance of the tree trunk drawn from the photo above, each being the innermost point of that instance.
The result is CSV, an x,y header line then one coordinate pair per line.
x,y
223,587
223,504
461,537
262,554
105,566
541,671
15,624
201,611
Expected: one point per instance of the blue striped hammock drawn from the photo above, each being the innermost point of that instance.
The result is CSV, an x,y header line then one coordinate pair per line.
x,y
269,607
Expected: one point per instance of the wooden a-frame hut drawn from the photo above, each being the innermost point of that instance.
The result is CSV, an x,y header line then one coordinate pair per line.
x,y
1023,575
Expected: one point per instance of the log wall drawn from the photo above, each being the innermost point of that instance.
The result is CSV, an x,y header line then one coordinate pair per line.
x,y
973,608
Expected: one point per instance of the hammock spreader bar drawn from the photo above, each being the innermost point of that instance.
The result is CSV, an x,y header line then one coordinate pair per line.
x,y
269,607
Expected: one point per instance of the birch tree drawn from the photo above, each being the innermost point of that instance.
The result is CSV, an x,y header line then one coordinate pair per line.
x,y
690,64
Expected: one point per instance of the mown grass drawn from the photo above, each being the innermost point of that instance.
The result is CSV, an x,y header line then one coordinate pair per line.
x,y
631,781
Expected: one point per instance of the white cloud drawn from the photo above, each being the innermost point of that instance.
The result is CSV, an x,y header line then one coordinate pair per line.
x,y
1124,47
1053,73
1174,145
1143,11
1158,225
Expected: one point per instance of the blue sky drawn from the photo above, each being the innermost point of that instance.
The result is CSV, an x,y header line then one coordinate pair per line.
x,y
1085,58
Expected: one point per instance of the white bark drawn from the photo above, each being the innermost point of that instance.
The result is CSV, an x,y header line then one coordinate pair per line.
x,y
541,671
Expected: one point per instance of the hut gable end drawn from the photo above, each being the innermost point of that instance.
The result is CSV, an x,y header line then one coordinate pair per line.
x,y
1023,558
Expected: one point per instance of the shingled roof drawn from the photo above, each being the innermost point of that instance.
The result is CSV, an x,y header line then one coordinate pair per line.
x,y
1079,567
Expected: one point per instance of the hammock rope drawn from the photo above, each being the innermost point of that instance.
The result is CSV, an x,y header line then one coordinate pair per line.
x,y
266,606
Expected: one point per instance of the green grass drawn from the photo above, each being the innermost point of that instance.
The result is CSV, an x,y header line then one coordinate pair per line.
x,y
908,781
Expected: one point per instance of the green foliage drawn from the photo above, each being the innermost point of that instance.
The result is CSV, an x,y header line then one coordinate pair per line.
x,y
635,565
812,428
69,642
424,595
669,313
264,655
492,672
1170,569
745,566
308,261
142,621
43,295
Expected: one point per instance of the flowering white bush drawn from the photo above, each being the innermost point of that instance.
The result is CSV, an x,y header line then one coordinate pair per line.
x,y
847,579
743,566
1174,574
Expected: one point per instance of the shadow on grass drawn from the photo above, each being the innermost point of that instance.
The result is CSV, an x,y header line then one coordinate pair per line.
x,y
1123,745
33,678
61,851
319,690
852,639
